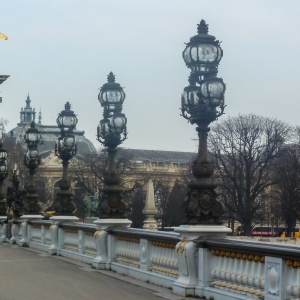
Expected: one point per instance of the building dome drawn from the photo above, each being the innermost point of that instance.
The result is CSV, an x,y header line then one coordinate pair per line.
x,y
49,133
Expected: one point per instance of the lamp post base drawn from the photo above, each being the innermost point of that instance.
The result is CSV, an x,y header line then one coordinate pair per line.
x,y
191,232
112,223
64,218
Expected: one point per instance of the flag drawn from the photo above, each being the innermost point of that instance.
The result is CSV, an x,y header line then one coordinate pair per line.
x,y
3,36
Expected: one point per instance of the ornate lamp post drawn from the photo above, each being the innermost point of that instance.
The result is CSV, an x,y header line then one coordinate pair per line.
x,y
202,102
111,132
31,207
3,175
32,160
65,149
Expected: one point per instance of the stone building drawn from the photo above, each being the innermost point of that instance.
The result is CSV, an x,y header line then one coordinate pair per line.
x,y
50,168
166,166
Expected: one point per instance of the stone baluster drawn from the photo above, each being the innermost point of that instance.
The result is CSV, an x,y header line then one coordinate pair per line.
x,y
229,267
3,235
14,232
245,271
24,242
296,286
81,241
54,239
257,259
251,270
292,273
239,270
144,255
234,268
218,264
262,273
43,234
164,254
221,265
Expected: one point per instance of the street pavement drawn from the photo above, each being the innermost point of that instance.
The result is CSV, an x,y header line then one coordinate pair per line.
x,y
27,274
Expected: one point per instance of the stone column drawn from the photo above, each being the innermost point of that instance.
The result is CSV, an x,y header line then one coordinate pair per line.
x,y
187,255
103,241
150,209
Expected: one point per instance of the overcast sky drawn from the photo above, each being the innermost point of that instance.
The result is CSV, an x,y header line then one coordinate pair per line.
x,y
63,50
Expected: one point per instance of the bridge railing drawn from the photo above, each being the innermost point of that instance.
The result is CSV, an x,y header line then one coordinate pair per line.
x,y
251,269
222,268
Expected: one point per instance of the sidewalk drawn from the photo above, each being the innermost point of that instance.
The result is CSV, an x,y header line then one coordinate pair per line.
x,y
28,274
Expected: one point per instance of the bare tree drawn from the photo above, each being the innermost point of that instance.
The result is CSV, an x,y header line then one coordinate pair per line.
x,y
244,148
287,176
90,170
174,212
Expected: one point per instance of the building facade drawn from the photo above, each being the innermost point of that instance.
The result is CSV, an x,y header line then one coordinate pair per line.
x,y
163,166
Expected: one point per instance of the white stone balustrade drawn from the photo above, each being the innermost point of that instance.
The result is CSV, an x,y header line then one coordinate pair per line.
x,y
238,272
127,250
225,268
163,258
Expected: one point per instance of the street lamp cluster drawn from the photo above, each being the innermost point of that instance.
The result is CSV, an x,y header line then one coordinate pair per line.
x,y
202,102
65,149
3,175
32,160
111,132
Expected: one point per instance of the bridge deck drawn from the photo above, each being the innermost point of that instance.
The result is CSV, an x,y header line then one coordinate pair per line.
x,y
26,274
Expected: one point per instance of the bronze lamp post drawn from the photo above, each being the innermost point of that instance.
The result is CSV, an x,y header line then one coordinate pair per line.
x,y
3,175
32,160
202,102
111,132
65,149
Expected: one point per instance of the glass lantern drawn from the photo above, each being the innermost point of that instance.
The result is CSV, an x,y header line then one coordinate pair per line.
x,y
213,89
203,51
3,169
111,95
190,98
118,123
32,157
32,154
3,154
103,128
69,142
32,135
67,120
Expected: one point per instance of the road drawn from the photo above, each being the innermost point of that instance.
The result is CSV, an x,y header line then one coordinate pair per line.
x,y
27,274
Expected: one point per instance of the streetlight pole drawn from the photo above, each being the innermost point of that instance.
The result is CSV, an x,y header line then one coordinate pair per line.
x,y
202,103
32,160
3,203
111,132
63,206
65,149
3,175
